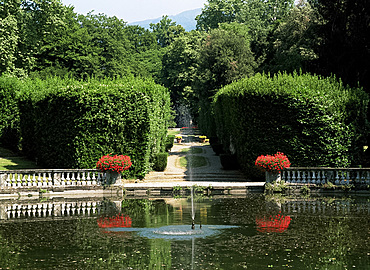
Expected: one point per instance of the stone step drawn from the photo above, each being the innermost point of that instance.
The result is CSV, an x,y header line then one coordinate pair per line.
x,y
195,177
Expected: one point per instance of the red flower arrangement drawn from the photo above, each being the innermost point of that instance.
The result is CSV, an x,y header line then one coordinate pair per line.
x,y
279,223
272,163
116,163
114,222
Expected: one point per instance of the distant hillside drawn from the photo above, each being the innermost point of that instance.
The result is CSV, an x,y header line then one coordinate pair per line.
x,y
186,19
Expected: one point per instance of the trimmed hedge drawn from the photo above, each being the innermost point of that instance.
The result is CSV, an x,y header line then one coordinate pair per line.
x,y
9,113
71,124
160,163
169,142
315,121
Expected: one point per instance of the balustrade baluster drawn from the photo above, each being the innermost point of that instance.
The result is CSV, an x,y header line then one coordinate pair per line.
x,y
304,177
83,182
298,177
88,179
293,177
337,182
313,178
73,179
29,180
358,178
19,180
78,179
342,178
323,179
287,173
308,173
93,180
367,178
363,178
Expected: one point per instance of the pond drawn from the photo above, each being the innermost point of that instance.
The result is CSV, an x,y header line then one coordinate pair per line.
x,y
253,232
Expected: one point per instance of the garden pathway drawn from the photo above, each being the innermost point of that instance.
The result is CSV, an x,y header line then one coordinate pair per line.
x,y
213,171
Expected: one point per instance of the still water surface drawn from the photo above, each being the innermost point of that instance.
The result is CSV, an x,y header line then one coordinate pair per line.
x,y
255,232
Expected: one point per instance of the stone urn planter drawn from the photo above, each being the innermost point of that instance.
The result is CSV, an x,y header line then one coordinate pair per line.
x,y
202,139
271,177
178,139
111,177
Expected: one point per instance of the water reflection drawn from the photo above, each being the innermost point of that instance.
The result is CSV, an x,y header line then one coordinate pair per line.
x,y
318,233
114,222
278,223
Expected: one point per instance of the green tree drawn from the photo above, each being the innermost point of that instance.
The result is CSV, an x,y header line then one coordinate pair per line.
x,y
344,40
69,50
179,71
261,17
293,43
225,56
110,40
9,35
219,11
141,39
147,55
166,31
180,64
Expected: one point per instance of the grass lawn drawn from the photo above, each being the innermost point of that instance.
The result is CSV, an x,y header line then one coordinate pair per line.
x,y
192,150
173,132
10,161
193,161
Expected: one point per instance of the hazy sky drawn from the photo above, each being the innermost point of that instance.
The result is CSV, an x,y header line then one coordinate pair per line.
x,y
134,10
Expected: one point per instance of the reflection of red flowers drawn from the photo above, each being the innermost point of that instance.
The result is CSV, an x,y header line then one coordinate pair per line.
x,y
278,223
114,222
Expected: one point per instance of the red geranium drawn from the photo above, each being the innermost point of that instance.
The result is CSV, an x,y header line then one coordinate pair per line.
x,y
272,163
116,163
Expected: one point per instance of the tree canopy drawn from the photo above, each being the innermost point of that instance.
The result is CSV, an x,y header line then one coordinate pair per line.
x,y
234,39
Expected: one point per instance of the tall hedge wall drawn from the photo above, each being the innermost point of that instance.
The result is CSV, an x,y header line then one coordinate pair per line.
x,y
70,124
315,121
9,114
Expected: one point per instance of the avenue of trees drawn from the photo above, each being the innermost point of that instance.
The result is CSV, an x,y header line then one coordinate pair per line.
x,y
234,39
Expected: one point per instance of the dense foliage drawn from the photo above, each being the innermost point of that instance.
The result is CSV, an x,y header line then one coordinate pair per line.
x,y
9,114
316,121
234,39
70,124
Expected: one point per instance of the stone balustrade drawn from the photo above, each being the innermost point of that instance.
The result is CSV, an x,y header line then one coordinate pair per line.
x,y
19,210
320,207
319,175
44,178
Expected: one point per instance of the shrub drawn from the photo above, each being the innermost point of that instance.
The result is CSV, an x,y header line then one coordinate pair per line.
x,y
160,163
316,121
169,142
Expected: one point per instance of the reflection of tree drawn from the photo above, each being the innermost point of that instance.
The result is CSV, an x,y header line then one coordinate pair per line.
x,y
8,254
337,244
160,254
145,213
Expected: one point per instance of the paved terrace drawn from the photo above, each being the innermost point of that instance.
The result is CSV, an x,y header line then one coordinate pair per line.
x,y
211,176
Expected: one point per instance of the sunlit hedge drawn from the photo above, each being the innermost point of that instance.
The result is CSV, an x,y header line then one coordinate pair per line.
x,y
70,124
315,121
